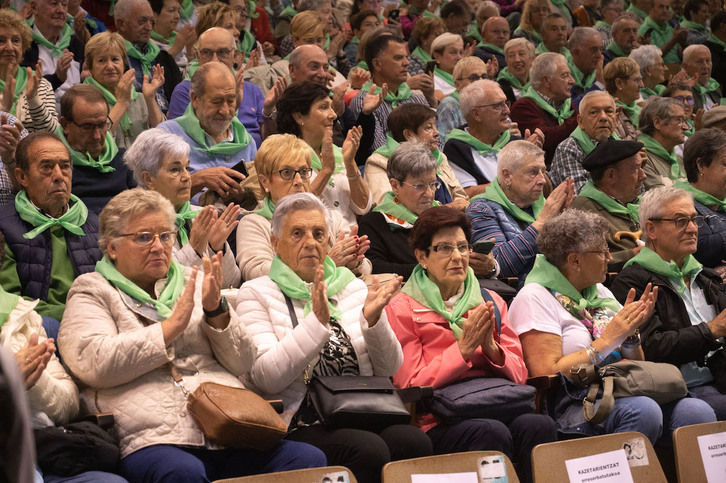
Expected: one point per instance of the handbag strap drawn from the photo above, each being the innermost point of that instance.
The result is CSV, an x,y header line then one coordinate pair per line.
x,y
497,316
606,404
293,316
178,379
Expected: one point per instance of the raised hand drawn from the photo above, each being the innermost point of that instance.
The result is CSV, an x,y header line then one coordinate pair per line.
x,y
63,64
351,145
371,101
339,98
560,199
34,78
475,329
212,282
149,87
319,295
378,297
344,251
6,101
33,359
179,319
201,228
9,139
273,95
358,77
223,227
124,86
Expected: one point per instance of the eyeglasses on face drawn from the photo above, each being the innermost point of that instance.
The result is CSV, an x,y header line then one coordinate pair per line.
x,y
288,174
473,77
146,238
680,222
446,249
423,187
90,127
499,106
207,54
685,100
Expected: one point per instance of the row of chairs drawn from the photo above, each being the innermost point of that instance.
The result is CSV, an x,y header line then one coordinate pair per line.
x,y
549,462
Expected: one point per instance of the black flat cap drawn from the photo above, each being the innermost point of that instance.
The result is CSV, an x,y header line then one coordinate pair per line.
x,y
609,153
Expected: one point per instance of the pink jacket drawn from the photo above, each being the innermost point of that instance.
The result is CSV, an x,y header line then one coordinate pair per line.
x,y
431,356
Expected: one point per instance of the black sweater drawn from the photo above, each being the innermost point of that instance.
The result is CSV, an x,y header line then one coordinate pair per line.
x,y
390,251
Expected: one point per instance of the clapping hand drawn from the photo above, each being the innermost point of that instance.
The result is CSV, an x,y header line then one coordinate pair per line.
x,y
378,297
33,359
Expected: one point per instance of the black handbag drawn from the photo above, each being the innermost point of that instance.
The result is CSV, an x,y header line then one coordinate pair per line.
x,y
75,448
357,402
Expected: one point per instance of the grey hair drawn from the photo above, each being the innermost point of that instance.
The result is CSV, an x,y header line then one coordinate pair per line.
x,y
126,206
199,79
659,107
410,159
311,4
297,202
653,202
579,35
474,94
572,231
488,3
691,50
148,151
520,42
646,56
545,65
591,95
513,155
123,8
622,19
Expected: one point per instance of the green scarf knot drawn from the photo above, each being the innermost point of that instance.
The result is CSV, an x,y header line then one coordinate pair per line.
x,y
632,110
63,42
495,193
701,196
164,40
653,146
658,90
247,44
187,8
660,35
392,207
584,141
612,206
240,137
513,81
185,213
581,80
145,59
651,261
72,220
421,55
703,91
402,94
102,164
479,146
565,111
616,49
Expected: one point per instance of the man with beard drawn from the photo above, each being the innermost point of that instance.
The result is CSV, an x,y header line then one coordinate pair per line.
x,y
217,138
50,236
595,124
616,168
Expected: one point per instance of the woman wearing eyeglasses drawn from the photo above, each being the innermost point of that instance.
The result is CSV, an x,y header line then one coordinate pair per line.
x,y
682,92
130,112
160,162
688,323
139,314
284,166
448,333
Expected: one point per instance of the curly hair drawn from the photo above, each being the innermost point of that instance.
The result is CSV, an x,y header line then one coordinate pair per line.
x,y
572,231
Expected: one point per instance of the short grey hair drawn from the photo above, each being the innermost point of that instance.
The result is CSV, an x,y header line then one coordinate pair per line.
x,y
691,50
514,153
126,206
579,35
297,202
488,4
475,94
653,202
199,79
148,151
410,159
123,8
520,42
572,231
591,95
545,65
618,23
656,107
646,56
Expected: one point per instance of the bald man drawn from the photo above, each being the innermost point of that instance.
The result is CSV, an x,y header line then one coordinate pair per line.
x,y
494,33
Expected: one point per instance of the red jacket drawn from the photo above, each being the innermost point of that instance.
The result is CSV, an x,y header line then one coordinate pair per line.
x,y
261,28
431,355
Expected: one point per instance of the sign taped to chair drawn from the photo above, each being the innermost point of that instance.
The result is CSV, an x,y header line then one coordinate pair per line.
x,y
610,467
468,477
337,477
492,469
713,454
636,452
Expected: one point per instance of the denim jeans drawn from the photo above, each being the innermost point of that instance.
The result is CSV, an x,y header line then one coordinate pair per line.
x,y
715,399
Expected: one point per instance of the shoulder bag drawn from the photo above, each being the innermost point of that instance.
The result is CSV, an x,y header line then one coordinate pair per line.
x,y
75,448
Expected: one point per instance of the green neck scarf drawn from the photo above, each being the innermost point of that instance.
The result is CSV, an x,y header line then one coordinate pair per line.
x,y
638,12
247,44
602,23
561,115
71,220
580,79
251,9
363,65
392,207
420,288
187,8
145,59
8,302
111,100
701,196
185,213
102,164
615,48
355,40
562,7
193,66
164,40
717,41
533,34
493,47
387,149
650,260
655,147
240,137
657,91
445,76
21,80
63,42
612,206
268,208
479,146
337,278
168,296
421,54
339,163
687,24
474,31
402,94
542,49
704,91
513,81
288,12
632,110
550,277
494,193
584,141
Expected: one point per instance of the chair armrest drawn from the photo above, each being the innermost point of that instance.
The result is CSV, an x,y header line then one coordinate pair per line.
x,y
104,420
511,281
415,393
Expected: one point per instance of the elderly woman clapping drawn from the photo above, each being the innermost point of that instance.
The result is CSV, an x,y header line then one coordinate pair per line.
x,y
688,323
565,317
160,162
513,208
338,328
139,312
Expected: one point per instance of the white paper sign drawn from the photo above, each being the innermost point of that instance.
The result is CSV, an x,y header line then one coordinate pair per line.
x,y
445,478
611,467
713,454
492,469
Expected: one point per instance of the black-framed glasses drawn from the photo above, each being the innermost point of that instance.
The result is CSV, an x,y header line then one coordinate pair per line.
x,y
89,127
146,238
208,54
288,174
473,77
446,249
689,101
499,106
422,187
681,222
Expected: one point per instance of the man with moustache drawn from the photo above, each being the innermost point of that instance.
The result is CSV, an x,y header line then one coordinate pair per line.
x,y
50,236
595,125
616,169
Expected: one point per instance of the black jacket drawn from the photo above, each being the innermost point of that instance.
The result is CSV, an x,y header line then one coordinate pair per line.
x,y
30,58
390,251
669,335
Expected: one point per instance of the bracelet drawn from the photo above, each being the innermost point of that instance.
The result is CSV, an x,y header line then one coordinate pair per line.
x,y
271,116
355,176
632,342
594,355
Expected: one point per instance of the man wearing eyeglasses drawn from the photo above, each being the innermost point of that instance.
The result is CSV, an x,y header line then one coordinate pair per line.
x,y
50,236
663,125
134,20
697,63
495,34
99,170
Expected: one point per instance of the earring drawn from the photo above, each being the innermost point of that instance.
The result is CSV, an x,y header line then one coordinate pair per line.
x,y
395,200
424,267
267,190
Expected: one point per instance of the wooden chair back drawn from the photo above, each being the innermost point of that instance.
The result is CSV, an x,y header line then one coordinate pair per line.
x,y
689,463
310,475
401,471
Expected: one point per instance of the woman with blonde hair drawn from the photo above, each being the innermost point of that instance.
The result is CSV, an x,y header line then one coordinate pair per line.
x,y
447,50
424,33
514,78
533,15
623,81
469,69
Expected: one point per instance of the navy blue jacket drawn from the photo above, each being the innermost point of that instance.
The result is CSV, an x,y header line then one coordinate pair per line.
x,y
96,188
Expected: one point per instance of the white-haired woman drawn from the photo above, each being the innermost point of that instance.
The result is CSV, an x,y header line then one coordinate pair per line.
x,y
565,317
338,328
653,69
446,50
688,322
467,70
160,162
513,208
138,313
514,78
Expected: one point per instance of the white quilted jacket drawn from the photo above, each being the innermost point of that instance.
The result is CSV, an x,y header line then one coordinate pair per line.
x,y
283,353
119,355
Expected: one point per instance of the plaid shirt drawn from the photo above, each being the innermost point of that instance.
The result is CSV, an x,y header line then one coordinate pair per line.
x,y
7,193
567,163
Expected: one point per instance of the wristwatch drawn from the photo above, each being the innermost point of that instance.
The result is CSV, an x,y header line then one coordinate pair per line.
x,y
222,308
